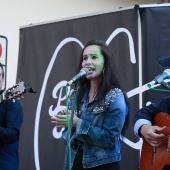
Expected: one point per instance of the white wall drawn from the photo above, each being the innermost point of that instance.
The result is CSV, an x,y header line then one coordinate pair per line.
x,y
18,13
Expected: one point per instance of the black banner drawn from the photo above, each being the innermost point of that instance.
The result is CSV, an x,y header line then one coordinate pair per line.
x,y
155,23
48,58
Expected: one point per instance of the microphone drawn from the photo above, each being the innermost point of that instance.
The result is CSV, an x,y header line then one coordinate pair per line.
x,y
159,79
83,72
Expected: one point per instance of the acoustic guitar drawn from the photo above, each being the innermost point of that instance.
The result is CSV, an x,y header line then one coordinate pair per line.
x,y
16,91
157,158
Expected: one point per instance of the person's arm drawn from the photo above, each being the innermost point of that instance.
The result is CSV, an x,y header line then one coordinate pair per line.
x,y
12,119
143,121
139,123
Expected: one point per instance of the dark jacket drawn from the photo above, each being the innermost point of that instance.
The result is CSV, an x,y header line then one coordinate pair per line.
x,y
11,117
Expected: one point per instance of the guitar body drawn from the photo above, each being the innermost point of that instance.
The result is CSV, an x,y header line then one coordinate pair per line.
x,y
156,158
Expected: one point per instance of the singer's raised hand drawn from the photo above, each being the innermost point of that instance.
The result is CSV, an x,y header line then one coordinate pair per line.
x,y
61,119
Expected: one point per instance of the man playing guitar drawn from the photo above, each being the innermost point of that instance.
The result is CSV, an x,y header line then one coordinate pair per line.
x,y
152,123
11,117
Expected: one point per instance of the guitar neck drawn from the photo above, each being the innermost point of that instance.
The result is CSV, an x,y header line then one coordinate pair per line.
x,y
16,91
1,97
4,96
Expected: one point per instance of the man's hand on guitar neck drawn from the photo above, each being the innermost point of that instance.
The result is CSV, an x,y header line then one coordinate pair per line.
x,y
152,134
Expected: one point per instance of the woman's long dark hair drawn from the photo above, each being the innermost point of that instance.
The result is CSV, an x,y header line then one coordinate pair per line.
x,y
111,77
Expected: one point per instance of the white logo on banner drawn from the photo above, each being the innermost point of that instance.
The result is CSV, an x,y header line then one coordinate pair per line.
x,y
58,89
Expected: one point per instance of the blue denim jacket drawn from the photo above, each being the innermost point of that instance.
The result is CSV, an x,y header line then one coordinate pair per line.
x,y
99,127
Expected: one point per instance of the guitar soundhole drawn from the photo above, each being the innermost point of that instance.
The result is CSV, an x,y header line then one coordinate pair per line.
x,y
166,167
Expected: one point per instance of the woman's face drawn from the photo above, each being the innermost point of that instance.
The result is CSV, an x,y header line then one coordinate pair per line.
x,y
94,61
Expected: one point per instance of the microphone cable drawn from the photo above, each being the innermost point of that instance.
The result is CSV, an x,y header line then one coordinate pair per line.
x,y
68,131
70,117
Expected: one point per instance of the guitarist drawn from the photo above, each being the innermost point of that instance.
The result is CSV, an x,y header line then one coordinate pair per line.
x,y
153,134
143,121
11,117
150,124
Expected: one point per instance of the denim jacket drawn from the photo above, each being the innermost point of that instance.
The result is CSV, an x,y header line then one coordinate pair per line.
x,y
98,128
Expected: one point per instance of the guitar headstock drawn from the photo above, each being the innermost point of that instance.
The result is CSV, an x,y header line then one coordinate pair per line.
x,y
17,91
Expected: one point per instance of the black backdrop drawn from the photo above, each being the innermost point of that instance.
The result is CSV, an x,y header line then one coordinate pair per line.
x,y
48,57
155,23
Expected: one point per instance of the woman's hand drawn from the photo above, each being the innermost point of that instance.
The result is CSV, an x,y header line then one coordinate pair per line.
x,y
61,119
152,134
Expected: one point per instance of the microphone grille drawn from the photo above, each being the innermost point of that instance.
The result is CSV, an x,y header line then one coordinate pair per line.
x,y
85,70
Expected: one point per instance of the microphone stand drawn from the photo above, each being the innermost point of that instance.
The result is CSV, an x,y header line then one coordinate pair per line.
x,y
74,105
164,84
